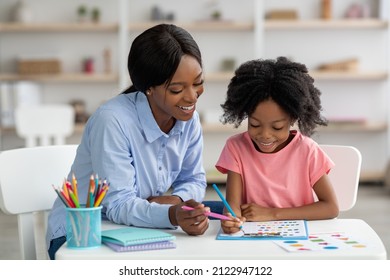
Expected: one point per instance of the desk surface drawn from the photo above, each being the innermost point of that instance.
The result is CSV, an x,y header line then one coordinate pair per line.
x,y
207,247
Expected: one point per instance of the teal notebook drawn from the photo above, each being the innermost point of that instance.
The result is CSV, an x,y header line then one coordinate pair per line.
x,y
270,230
135,235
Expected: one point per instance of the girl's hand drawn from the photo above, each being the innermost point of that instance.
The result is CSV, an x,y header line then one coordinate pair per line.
x,y
254,212
232,226
193,222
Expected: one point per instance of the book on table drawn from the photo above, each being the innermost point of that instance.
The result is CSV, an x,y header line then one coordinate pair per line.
x,y
269,230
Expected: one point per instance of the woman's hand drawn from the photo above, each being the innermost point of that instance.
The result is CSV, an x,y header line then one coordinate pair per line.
x,y
193,222
233,225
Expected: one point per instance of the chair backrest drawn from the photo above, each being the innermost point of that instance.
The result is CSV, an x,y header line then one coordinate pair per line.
x,y
42,125
26,179
346,173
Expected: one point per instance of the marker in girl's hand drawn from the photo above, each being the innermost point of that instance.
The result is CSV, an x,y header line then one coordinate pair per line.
x,y
209,214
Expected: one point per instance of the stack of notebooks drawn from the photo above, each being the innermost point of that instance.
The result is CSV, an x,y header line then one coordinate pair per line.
x,y
137,239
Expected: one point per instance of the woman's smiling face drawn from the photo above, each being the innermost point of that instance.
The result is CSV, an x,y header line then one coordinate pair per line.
x,y
178,99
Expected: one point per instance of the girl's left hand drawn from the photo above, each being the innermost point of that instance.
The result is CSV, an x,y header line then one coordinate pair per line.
x,y
254,212
233,225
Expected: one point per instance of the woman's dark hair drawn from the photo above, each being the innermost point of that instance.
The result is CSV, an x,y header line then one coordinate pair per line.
x,y
285,82
156,53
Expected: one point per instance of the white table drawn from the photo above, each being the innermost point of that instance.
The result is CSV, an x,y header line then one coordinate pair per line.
x,y
207,247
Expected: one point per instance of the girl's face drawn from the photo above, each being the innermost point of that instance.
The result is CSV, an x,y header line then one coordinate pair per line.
x,y
177,100
269,127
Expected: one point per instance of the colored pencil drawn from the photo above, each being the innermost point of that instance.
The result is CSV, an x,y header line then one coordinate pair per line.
x,y
100,197
225,202
74,199
74,186
209,214
61,197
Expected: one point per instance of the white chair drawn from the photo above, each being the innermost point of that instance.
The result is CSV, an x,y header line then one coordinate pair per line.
x,y
42,125
26,179
346,173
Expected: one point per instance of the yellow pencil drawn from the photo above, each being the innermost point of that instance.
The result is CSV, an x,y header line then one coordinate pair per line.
x,y
74,186
100,197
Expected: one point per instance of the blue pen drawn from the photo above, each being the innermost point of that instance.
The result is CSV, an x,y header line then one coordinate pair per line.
x,y
225,202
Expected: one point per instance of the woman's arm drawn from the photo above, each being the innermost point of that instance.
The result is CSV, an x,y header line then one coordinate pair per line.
x,y
325,208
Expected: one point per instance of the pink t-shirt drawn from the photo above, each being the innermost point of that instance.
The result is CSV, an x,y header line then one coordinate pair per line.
x,y
282,179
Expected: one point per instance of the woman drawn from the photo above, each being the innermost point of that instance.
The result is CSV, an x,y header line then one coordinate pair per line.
x,y
147,140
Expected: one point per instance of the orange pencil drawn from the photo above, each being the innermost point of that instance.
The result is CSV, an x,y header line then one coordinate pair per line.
x,y
65,189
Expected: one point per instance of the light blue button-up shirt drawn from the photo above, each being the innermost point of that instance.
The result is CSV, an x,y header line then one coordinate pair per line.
x,y
123,144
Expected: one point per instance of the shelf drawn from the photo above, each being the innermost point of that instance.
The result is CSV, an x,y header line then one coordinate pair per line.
x,y
58,27
219,76
325,24
219,128
62,78
372,176
349,75
78,129
353,127
332,127
318,75
198,25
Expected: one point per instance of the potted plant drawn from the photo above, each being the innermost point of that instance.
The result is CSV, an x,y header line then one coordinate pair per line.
x,y
82,13
95,14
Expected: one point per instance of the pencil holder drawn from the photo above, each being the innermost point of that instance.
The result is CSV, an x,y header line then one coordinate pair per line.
x,y
83,227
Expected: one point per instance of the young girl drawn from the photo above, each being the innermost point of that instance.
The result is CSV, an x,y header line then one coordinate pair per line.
x,y
273,170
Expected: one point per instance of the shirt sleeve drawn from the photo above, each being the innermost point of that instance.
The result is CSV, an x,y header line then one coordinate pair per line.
x,y
320,164
228,159
191,181
112,159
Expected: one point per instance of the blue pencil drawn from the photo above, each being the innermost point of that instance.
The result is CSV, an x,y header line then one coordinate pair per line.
x,y
224,201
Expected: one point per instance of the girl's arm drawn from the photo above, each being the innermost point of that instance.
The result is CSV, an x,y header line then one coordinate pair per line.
x,y
325,208
234,198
